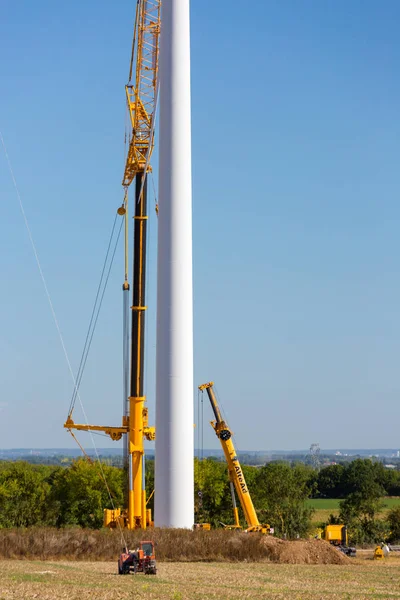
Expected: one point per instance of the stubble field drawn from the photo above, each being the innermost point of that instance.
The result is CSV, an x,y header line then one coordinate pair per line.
x,y
324,507
359,579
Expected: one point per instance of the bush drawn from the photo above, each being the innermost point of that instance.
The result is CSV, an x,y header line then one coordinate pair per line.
x,y
393,520
25,495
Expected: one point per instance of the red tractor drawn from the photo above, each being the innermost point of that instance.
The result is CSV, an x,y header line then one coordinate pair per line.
x,y
141,560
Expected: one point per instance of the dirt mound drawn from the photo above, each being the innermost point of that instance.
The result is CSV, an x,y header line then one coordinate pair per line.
x,y
313,552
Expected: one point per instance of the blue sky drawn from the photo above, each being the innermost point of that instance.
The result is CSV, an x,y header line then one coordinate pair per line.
x,y
296,140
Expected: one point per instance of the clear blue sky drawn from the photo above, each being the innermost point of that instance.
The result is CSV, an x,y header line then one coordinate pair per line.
x,y
296,143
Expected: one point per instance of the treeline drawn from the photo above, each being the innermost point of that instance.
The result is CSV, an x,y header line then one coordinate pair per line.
x,y
75,495
32,495
338,481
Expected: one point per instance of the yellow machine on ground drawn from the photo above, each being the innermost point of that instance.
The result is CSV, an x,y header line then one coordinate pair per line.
x,y
337,536
236,477
205,526
382,551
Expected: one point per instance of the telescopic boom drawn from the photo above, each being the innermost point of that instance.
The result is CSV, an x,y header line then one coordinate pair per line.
x,y
236,477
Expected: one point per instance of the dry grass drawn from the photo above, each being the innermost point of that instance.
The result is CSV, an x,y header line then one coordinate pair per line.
x,y
171,545
361,579
322,515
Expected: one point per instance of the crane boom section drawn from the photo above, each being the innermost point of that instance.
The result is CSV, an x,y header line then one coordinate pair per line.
x,y
236,475
141,95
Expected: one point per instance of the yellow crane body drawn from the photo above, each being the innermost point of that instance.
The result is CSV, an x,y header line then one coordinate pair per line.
x,y
235,471
141,97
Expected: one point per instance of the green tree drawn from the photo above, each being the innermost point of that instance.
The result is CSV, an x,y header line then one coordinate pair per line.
x,y
360,509
81,493
391,482
280,497
330,482
25,498
393,520
213,503
250,473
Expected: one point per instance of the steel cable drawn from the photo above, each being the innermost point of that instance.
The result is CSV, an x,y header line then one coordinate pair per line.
x,y
78,376
56,320
85,355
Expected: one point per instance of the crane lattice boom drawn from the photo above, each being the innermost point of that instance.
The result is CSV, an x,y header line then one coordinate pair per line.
x,y
141,96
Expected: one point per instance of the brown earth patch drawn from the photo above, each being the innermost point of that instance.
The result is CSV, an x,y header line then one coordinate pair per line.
x,y
314,552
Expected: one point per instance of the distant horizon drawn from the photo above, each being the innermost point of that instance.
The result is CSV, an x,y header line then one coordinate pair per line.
x,y
196,450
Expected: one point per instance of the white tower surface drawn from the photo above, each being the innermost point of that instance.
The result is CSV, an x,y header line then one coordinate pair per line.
x,y
174,497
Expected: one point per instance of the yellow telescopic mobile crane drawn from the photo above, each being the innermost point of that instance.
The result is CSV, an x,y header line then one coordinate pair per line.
x,y
236,477
141,96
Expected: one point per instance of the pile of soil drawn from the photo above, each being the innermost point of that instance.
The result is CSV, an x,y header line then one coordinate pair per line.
x,y
313,552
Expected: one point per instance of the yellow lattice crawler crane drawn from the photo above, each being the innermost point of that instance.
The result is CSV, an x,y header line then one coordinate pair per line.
x,y
141,96
236,476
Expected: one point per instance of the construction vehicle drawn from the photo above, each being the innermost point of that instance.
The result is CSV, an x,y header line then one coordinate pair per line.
x,y
142,560
337,536
237,481
383,550
141,99
205,526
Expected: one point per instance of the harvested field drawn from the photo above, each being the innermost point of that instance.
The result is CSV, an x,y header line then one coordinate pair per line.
x,y
356,580
171,545
324,507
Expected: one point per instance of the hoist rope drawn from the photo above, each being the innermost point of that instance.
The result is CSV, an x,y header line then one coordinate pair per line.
x,y
223,413
55,317
202,427
78,376
46,289
154,192
200,447
198,435
91,329
198,425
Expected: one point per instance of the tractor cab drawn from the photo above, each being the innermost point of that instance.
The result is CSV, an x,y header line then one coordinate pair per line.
x,y
146,550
